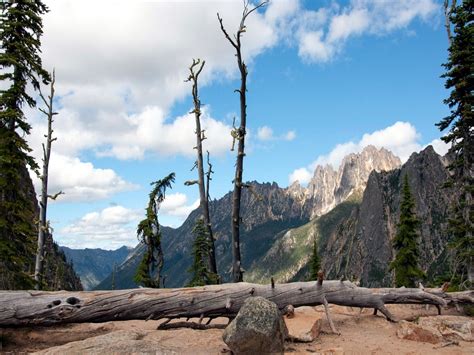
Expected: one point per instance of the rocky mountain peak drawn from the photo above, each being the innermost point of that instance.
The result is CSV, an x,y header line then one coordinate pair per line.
x,y
329,187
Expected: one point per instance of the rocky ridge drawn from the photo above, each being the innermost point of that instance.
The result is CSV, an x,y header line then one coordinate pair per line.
x,y
328,187
268,211
355,238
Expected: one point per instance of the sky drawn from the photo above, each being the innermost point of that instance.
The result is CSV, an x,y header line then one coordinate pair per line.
x,y
326,78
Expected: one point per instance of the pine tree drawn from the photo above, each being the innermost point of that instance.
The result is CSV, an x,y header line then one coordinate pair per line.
x,y
460,79
315,262
201,249
148,231
405,242
20,64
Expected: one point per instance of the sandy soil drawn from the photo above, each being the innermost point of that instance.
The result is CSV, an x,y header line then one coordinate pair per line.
x,y
361,333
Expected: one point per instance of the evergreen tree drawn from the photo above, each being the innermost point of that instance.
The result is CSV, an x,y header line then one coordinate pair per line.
x,y
148,231
315,262
20,64
405,242
460,79
201,249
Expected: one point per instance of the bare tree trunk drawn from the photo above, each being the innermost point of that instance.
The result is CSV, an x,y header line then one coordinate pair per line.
x,y
200,136
43,227
22,308
448,10
239,135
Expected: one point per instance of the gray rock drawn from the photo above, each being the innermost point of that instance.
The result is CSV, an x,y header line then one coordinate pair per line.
x,y
258,329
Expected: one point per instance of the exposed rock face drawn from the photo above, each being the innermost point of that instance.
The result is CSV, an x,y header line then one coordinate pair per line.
x,y
355,237
368,238
268,212
258,328
328,187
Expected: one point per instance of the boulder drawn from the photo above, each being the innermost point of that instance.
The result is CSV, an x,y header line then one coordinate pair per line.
x,y
304,325
438,329
258,328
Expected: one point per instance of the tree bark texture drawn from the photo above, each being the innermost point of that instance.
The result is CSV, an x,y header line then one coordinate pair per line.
x,y
23,308
43,228
200,136
239,135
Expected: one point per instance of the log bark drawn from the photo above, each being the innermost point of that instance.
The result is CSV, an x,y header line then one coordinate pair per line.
x,y
23,308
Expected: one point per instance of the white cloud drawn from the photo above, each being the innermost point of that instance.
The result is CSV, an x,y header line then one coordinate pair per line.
x,y
289,136
177,205
302,175
323,33
439,146
265,133
109,228
115,226
81,181
116,83
401,139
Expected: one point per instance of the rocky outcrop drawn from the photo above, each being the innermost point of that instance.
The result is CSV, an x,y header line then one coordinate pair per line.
x,y
374,224
304,325
437,329
268,213
329,187
258,328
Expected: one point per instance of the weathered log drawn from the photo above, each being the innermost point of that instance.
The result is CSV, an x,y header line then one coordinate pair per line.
x,y
453,298
21,308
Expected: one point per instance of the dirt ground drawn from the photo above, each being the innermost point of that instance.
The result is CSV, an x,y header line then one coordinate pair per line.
x,y
361,333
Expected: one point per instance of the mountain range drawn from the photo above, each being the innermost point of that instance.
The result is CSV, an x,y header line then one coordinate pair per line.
x,y
352,211
93,265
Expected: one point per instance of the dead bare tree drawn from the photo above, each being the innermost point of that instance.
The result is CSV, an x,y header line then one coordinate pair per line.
x,y
195,69
448,10
43,225
238,134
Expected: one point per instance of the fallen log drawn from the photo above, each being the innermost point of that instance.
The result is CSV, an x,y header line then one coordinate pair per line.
x,y
22,308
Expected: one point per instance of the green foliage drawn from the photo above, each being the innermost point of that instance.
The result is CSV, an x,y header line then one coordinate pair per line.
x,y
20,64
201,248
460,80
148,231
315,262
406,242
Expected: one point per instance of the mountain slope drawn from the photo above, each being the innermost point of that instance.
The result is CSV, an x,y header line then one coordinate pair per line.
x,y
358,246
94,265
58,273
268,211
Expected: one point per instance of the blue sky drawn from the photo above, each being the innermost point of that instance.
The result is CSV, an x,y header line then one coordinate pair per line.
x,y
325,78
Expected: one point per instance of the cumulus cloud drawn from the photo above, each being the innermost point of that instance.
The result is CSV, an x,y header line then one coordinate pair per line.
x,y
81,181
323,32
401,139
439,146
301,175
265,133
289,136
177,205
109,228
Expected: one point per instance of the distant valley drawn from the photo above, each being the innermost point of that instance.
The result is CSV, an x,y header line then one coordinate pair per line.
x,y
93,265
